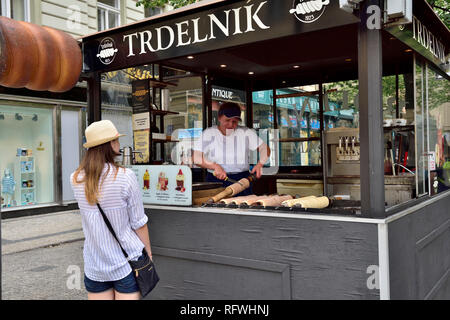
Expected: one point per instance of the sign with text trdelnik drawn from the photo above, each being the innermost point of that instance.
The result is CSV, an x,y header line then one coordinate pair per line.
x,y
165,185
215,27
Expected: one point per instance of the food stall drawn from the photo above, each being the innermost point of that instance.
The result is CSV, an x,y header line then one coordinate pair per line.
x,y
377,159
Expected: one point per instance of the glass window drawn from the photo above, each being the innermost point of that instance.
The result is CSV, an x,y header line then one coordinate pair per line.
x,y
420,126
129,94
298,122
295,130
438,124
117,100
186,125
221,94
341,104
149,12
108,14
26,160
15,9
432,128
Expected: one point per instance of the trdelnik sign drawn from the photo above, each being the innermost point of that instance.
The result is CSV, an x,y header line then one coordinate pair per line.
x,y
235,24
309,11
107,51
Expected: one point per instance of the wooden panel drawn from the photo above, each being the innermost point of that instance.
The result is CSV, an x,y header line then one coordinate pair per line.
x,y
327,259
194,275
419,246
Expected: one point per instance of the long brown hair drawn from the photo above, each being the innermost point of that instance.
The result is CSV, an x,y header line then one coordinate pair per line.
x,y
92,165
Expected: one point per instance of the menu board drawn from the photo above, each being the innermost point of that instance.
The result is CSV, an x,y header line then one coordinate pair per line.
x,y
142,145
165,185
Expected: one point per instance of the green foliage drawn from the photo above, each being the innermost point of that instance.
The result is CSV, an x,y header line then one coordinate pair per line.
x,y
161,3
442,8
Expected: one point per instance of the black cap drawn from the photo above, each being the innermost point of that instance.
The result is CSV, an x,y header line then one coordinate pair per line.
x,y
230,110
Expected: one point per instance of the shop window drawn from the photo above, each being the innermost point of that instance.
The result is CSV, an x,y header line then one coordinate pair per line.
x,y
27,157
262,110
117,102
15,9
341,104
294,131
186,99
180,94
220,95
298,122
432,129
421,129
108,14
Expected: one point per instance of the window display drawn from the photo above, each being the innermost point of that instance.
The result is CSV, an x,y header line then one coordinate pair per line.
x,y
26,160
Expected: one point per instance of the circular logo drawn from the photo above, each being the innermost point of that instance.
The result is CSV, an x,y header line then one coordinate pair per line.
x,y
308,11
107,51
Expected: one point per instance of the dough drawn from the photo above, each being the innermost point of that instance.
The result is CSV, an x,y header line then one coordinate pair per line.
x,y
237,200
273,201
308,202
249,202
237,188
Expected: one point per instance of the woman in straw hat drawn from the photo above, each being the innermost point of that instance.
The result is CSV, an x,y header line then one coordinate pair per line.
x,y
107,273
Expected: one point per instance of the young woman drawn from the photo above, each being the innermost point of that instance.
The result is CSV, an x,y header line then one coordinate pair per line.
x,y
107,273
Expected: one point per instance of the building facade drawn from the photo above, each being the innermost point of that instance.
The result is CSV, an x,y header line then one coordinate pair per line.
x,y
41,133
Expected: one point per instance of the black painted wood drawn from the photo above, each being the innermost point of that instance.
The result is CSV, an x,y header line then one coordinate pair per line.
x,y
419,253
370,71
206,255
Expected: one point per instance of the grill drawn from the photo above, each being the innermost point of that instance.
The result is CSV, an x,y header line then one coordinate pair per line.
x,y
336,207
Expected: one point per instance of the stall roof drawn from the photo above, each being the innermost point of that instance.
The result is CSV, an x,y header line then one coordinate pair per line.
x,y
324,51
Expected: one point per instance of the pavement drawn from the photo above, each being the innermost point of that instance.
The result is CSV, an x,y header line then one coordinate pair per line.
x,y
42,257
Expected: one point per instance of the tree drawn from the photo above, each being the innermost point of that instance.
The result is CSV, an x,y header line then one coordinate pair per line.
x,y
161,3
441,7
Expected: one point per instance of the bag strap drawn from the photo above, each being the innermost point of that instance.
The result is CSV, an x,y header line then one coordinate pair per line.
x,y
108,224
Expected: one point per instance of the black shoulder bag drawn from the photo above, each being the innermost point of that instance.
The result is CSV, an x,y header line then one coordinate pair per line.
x,y
143,270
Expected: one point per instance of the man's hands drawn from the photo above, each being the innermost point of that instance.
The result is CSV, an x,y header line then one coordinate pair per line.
x,y
257,169
219,172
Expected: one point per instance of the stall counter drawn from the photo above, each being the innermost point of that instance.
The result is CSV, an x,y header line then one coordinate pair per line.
x,y
218,253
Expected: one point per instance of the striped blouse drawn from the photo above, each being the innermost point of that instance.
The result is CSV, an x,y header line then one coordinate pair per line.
x,y
121,200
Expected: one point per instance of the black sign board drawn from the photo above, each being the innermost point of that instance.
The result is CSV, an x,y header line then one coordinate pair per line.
x,y
234,24
417,36
140,96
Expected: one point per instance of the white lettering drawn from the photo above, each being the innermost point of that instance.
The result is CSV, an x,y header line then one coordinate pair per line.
x,y
254,17
374,20
196,37
146,43
74,280
215,21
192,310
130,43
426,38
237,21
171,39
373,280
188,32
182,33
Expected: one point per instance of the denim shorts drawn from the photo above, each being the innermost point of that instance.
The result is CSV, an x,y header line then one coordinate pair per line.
x,y
125,285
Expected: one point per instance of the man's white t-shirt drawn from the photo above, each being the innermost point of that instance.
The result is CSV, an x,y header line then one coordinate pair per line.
x,y
232,151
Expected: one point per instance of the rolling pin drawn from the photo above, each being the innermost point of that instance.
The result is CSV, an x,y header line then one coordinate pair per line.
x,y
232,190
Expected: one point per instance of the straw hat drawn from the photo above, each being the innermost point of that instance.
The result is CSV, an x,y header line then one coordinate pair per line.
x,y
100,132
